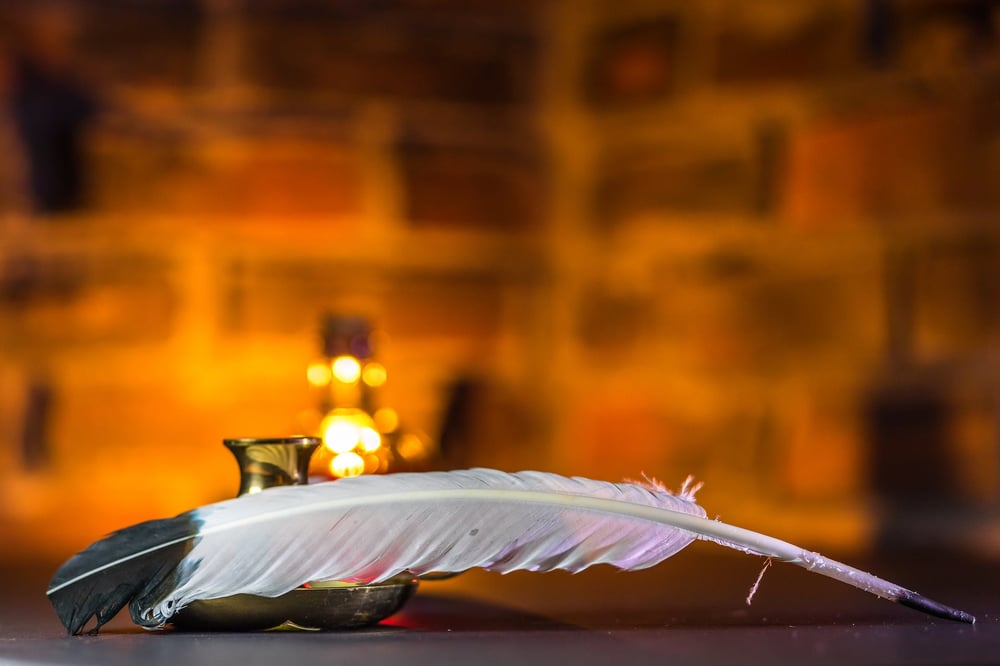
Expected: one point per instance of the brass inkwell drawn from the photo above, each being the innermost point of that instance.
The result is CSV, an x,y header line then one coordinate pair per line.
x,y
317,605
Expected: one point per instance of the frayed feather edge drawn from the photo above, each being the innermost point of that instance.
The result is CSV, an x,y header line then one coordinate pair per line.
x,y
756,583
688,489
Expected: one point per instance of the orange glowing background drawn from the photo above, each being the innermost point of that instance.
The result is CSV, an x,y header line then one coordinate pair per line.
x,y
755,242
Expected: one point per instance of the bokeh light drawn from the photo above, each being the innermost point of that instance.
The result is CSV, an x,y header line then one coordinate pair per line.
x,y
411,447
319,373
374,374
347,464
386,420
370,439
346,369
347,429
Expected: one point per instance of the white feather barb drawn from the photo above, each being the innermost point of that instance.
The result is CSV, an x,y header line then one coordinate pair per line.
x,y
371,528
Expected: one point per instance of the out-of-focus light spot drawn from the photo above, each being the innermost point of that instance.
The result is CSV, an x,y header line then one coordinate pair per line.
x,y
253,490
347,429
319,374
347,464
340,436
374,374
346,369
370,440
373,463
411,447
386,419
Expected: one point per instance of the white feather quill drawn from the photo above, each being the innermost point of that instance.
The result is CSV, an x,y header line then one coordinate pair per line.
x,y
371,528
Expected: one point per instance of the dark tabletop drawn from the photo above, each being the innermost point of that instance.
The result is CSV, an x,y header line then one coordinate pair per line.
x,y
688,610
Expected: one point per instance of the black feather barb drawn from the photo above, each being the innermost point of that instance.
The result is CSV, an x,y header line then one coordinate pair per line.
x,y
130,566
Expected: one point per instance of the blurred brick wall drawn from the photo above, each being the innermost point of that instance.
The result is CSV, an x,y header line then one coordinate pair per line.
x,y
742,240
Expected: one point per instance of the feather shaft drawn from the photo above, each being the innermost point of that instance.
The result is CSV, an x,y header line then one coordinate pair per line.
x,y
369,529
725,534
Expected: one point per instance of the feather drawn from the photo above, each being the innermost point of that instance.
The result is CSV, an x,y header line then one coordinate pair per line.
x,y
370,528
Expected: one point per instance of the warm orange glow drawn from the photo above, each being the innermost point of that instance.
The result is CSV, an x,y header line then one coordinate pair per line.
x,y
319,374
386,419
411,447
374,464
347,464
374,374
346,369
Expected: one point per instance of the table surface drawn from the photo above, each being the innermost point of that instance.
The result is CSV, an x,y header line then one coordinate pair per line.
x,y
688,610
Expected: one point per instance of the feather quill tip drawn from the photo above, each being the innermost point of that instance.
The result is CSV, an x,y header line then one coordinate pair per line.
x,y
921,603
